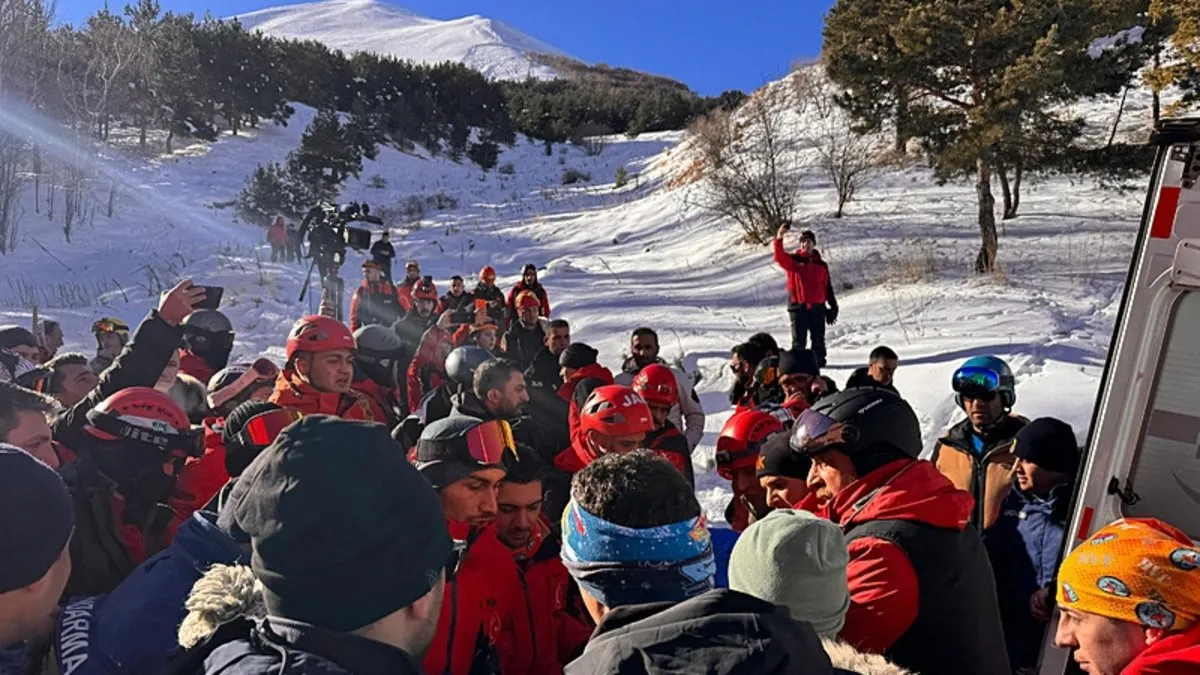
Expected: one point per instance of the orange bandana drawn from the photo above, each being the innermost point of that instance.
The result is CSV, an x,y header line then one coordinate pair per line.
x,y
1138,570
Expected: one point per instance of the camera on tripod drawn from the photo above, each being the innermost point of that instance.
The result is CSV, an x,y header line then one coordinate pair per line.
x,y
327,226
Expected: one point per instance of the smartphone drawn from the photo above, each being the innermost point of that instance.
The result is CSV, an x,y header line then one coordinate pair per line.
x,y
463,316
212,297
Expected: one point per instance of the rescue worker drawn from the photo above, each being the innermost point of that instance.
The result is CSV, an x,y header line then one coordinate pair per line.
x,y
811,302
484,625
377,355
738,449
404,289
560,623
525,336
918,573
111,336
319,375
657,386
489,298
374,301
976,454
529,282
383,253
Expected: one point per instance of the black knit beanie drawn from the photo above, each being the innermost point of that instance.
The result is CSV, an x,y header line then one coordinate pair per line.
x,y
775,458
577,355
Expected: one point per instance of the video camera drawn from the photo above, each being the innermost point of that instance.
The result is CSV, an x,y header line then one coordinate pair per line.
x,y
329,233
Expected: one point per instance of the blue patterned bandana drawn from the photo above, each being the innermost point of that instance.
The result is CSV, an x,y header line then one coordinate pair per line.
x,y
621,565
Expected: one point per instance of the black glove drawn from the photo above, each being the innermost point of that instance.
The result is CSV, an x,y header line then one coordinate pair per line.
x,y
831,316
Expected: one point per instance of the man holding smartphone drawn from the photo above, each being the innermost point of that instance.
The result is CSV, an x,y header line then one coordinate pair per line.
x,y
811,303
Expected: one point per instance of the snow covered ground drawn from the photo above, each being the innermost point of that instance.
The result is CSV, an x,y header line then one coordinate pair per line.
x,y
492,47
616,259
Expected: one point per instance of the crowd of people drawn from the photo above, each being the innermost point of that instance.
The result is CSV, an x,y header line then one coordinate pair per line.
x,y
451,485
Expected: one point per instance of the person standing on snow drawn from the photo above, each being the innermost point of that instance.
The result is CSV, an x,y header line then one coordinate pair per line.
x,y
485,624
378,351
523,339
657,386
458,299
879,372
581,375
545,373
294,242
489,298
976,454
318,377
561,625
529,282
687,415
404,289
811,303
375,300
277,237
207,343
383,253
1129,599
420,316
918,573
1026,541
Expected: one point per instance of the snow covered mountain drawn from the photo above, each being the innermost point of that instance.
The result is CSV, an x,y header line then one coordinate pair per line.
x,y
495,49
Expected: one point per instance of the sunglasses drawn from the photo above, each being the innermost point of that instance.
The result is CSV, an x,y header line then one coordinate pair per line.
x,y
488,442
262,429
109,327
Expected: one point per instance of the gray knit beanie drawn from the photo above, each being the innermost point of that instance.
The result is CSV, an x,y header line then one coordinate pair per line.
x,y
795,559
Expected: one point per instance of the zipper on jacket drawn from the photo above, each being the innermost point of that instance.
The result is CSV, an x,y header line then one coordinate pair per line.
x,y
529,611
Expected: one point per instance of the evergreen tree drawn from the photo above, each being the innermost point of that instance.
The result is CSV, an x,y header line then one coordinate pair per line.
x,y
976,74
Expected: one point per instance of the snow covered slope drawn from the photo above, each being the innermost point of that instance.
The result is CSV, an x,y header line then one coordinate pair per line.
x,y
495,49
615,259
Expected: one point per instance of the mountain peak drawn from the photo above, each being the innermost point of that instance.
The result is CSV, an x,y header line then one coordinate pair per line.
x,y
492,47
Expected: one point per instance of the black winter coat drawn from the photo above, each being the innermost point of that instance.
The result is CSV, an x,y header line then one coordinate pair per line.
x,y
281,647
720,633
383,253
522,344
862,378
139,364
497,310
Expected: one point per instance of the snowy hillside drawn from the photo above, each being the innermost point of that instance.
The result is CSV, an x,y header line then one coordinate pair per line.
x,y
615,259
491,47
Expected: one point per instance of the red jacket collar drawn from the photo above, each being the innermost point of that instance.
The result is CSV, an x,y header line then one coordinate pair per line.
x,y
905,489
1177,654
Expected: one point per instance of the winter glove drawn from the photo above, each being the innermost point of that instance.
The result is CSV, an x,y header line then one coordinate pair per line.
x,y
831,316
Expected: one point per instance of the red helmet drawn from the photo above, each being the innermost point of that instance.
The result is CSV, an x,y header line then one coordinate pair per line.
x,y
425,290
371,265
527,299
738,444
488,273
318,334
614,410
656,384
146,415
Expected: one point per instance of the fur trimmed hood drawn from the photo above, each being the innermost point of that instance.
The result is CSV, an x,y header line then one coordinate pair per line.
x,y
846,657
224,593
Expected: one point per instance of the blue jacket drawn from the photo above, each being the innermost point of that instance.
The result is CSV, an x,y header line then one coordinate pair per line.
x,y
1024,546
133,629
274,646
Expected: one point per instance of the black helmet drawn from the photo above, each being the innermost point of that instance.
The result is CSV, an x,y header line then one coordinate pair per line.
x,y
378,342
873,426
462,362
207,320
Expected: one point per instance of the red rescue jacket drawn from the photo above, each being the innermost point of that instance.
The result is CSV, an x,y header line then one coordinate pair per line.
x,y
1177,654
201,477
195,366
537,289
672,446
560,624
426,371
807,275
387,400
484,626
291,392
567,392
277,235
883,584
374,304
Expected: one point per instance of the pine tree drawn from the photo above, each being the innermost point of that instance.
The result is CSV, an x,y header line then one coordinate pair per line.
x,y
976,74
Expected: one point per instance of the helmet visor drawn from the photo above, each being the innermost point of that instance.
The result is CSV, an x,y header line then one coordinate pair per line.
x,y
976,380
488,442
262,429
814,433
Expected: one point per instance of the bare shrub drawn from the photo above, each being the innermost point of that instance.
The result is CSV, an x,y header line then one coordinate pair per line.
x,y
748,166
912,260
849,160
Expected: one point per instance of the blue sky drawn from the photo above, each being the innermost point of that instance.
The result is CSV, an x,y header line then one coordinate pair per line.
x,y
710,45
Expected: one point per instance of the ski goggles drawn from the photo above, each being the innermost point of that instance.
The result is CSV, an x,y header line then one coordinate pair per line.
x,y
106,326
814,433
487,442
976,381
262,370
728,459
187,444
262,429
